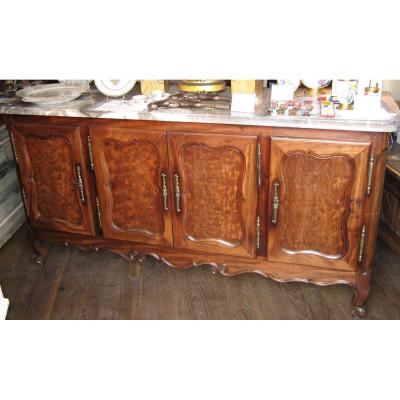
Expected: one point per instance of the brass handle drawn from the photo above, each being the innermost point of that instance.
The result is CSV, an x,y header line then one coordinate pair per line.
x,y
164,190
370,173
258,233
177,194
259,165
89,143
79,183
275,204
362,244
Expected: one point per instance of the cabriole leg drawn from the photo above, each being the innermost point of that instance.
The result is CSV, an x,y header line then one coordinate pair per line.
x,y
361,293
40,248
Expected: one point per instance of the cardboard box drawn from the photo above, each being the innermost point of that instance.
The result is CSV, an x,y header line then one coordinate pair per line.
x,y
148,86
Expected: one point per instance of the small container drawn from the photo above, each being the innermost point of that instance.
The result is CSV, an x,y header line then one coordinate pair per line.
x,y
346,89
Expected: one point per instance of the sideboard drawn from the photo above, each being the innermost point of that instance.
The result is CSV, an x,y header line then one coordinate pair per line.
x,y
289,204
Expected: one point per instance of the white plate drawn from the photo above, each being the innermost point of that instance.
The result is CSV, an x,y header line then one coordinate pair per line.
x,y
52,93
114,87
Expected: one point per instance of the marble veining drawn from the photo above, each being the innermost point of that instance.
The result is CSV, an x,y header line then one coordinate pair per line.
x,y
85,106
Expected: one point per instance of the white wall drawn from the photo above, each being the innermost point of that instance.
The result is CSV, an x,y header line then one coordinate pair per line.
x,y
393,87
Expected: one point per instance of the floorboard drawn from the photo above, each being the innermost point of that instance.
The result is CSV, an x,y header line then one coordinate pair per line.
x,y
80,285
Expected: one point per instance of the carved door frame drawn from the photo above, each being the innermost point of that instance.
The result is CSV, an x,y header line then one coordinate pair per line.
x,y
128,136
356,155
246,147
79,176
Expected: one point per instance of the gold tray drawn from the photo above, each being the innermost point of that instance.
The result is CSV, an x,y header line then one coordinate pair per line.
x,y
199,86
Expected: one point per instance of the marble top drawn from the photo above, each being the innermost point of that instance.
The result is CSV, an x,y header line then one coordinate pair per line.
x,y
86,105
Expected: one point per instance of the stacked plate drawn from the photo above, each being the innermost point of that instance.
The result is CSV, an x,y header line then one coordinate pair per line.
x,y
53,93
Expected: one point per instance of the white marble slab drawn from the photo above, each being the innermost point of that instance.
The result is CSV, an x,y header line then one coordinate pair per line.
x,y
85,107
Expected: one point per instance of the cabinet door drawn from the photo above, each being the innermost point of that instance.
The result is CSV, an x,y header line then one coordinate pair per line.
x,y
214,192
53,172
131,169
317,192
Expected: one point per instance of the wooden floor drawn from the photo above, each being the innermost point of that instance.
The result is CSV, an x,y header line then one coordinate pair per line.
x,y
80,285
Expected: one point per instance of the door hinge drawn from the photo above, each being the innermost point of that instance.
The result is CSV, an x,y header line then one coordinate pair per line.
x,y
370,173
14,148
362,244
89,143
259,165
25,201
98,212
258,226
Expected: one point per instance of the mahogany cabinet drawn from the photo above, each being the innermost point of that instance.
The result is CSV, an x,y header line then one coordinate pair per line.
x,y
289,204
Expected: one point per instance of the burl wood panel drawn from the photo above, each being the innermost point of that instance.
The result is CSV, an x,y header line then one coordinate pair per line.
x,y
321,197
328,201
215,183
218,192
48,157
55,187
128,165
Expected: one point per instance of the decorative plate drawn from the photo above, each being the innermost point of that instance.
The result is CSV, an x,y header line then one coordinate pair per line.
x,y
114,87
316,83
52,93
